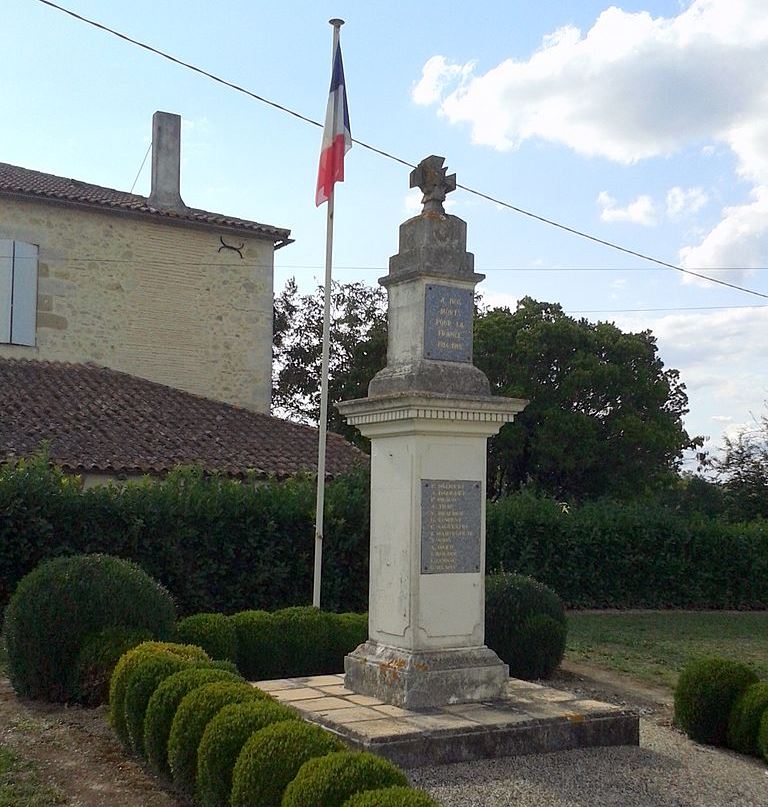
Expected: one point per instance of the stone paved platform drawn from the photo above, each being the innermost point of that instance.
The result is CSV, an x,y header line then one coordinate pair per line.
x,y
531,719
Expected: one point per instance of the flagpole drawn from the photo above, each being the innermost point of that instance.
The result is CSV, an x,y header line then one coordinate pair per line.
x,y
323,424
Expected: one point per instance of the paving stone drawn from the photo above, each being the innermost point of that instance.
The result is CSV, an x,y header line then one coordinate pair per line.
x,y
297,694
322,704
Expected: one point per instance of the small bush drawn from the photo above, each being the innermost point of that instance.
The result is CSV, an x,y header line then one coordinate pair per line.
x,y
524,624
140,686
215,633
331,779
706,692
304,634
163,704
272,757
89,679
222,741
762,736
391,797
258,644
195,711
346,632
744,721
63,601
125,667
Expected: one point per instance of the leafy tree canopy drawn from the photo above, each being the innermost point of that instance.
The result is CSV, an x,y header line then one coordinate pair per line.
x,y
604,418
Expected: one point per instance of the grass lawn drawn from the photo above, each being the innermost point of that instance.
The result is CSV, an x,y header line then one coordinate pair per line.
x,y
654,645
20,787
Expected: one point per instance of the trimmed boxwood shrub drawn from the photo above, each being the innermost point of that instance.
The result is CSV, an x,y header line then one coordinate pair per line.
x,y
331,779
222,741
391,797
163,704
141,684
706,692
744,721
304,634
131,661
62,602
524,624
89,679
272,757
762,736
193,714
215,633
347,631
258,644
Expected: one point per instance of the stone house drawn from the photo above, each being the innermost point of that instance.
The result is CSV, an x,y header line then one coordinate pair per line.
x,y
143,285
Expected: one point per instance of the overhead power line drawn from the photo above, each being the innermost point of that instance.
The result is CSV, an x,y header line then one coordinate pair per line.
x,y
543,219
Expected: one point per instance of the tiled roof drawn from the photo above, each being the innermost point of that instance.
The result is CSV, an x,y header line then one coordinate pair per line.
x,y
102,421
34,184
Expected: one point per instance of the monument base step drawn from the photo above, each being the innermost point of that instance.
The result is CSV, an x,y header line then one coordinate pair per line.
x,y
530,719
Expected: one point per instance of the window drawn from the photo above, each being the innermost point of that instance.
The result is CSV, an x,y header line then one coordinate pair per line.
x,y
18,292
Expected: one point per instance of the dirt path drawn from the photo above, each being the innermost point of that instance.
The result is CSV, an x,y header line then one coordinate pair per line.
x,y
75,751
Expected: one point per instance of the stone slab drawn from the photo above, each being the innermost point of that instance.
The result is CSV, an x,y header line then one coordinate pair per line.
x,y
530,719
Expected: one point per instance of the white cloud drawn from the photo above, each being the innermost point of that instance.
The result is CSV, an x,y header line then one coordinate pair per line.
x,y
681,201
641,211
739,240
437,75
631,87
722,360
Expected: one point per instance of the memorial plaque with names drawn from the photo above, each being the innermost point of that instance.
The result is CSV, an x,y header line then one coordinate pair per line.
x,y
448,323
450,526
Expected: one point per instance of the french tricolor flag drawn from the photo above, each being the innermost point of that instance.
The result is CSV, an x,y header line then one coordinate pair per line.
x,y
337,139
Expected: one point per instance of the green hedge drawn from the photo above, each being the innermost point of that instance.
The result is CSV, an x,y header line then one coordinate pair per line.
x,y
222,546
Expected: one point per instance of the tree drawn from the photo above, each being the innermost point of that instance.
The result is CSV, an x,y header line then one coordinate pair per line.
x,y
358,350
604,418
743,472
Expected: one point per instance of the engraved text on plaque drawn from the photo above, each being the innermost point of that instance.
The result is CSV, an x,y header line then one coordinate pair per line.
x,y
450,526
448,323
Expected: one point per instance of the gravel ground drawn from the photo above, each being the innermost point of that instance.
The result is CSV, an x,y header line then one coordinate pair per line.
x,y
666,770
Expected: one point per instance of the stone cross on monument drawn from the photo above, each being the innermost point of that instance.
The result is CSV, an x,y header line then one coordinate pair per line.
x,y
428,414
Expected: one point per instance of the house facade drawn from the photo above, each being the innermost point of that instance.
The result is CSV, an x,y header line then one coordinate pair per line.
x,y
143,285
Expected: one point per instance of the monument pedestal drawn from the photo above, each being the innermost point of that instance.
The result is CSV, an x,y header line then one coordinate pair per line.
x,y
427,559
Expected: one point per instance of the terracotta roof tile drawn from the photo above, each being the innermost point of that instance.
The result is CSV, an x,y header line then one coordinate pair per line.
x,y
25,182
103,421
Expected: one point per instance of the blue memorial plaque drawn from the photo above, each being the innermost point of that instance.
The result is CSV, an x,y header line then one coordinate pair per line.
x,y
450,526
448,323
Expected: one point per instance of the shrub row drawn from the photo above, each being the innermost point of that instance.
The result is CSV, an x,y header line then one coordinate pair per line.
x,y
226,742
721,702
223,546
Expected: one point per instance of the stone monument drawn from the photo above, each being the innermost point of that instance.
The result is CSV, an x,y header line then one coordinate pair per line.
x,y
428,414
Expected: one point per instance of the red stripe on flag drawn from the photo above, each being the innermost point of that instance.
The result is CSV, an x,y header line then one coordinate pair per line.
x,y
331,168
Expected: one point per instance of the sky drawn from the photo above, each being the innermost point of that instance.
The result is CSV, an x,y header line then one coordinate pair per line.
x,y
644,123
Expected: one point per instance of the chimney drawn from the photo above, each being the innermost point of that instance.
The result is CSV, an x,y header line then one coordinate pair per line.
x,y
166,163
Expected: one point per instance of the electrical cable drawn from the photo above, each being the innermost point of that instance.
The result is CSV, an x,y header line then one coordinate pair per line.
x,y
488,197
141,167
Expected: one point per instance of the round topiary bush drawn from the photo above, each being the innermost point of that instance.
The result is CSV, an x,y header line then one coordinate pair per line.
x,y
744,720
706,692
215,633
524,624
89,678
195,711
259,647
63,601
346,632
222,741
331,779
304,634
762,736
163,704
140,686
131,661
391,797
272,757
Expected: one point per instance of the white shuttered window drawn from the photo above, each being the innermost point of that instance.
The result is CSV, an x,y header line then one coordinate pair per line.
x,y
18,292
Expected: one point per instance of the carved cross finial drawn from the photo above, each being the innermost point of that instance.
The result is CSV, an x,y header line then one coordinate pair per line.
x,y
429,175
